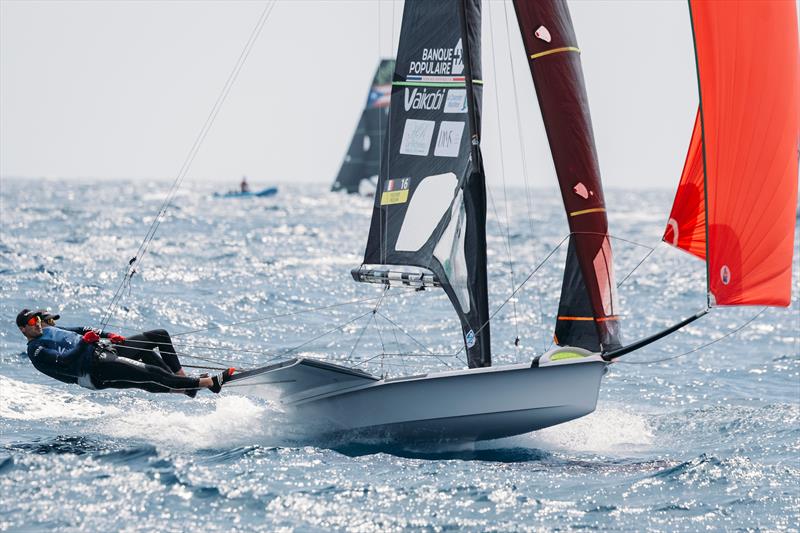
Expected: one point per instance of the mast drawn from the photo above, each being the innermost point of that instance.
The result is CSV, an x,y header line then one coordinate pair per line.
x,y
430,206
587,314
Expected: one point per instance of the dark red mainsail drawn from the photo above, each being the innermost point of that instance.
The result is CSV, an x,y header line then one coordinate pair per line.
x,y
587,312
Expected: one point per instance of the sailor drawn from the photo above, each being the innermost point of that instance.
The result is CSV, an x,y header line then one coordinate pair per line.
x,y
244,186
139,347
75,355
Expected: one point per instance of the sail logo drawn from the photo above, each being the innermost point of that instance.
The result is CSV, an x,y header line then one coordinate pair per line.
x,y
417,135
470,338
543,34
456,101
458,58
448,141
396,191
581,190
439,61
422,99
725,274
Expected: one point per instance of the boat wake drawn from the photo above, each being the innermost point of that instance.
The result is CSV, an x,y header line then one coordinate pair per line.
x,y
608,430
28,401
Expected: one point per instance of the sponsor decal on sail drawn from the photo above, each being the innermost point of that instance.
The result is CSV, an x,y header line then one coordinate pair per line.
x,y
439,62
448,141
725,274
456,101
581,190
470,338
423,99
543,34
417,135
396,191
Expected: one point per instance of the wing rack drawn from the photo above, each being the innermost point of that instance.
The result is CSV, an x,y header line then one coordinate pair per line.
x,y
395,278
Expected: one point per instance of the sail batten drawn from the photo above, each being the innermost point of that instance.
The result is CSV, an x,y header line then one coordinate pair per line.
x,y
736,201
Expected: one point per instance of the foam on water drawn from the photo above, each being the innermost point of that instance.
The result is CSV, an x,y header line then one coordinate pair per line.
x,y
27,401
214,423
610,429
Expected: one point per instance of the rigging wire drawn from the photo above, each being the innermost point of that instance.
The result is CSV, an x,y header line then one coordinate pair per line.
x,y
503,176
282,315
706,345
184,169
421,345
636,267
520,134
260,319
371,318
521,285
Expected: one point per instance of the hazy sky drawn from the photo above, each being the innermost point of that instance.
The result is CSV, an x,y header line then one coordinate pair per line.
x,y
121,89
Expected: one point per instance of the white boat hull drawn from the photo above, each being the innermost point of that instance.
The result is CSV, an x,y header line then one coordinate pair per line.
x,y
458,406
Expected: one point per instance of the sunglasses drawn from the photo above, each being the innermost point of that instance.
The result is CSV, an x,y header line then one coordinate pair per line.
x,y
32,321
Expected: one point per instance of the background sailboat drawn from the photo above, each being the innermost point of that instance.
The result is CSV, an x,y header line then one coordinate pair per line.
x,y
363,158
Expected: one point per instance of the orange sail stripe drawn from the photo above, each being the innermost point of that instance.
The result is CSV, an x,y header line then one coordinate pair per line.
x,y
588,318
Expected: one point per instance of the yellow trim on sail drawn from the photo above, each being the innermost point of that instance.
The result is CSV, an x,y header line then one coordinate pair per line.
x,y
394,197
555,51
586,211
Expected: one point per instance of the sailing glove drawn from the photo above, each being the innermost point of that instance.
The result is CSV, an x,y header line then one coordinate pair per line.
x,y
116,339
90,337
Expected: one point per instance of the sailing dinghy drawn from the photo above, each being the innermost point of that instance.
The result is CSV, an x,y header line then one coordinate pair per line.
x,y
362,161
734,208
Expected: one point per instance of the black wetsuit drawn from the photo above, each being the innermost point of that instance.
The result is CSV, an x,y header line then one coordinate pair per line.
x,y
62,354
140,347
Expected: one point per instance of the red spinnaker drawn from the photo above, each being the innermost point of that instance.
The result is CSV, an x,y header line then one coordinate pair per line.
x,y
747,136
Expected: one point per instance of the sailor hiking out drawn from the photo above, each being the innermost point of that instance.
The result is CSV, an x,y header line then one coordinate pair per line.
x,y
77,355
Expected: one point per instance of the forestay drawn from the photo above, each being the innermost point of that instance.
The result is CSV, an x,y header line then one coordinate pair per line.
x,y
430,206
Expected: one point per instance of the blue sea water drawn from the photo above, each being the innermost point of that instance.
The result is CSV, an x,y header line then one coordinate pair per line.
x,y
704,441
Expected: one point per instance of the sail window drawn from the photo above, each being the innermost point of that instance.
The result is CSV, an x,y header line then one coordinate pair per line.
x,y
449,252
604,271
428,205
